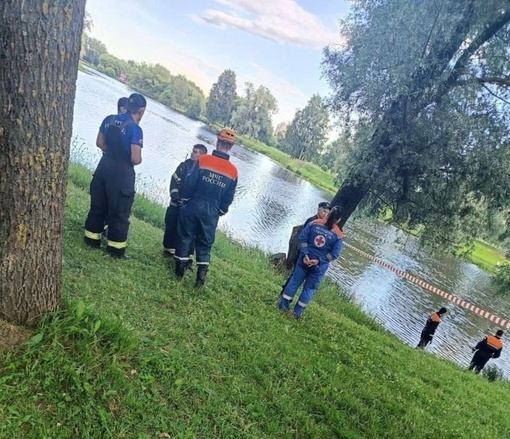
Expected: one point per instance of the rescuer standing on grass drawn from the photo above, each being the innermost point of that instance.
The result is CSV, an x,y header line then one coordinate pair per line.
x,y
490,347
210,189
112,189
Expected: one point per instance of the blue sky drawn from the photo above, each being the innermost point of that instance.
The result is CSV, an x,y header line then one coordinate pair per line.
x,y
276,43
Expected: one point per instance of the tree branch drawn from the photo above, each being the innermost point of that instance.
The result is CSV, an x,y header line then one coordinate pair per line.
x,y
495,95
495,80
431,30
479,41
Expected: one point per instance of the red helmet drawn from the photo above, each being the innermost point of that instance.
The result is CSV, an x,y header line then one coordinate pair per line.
x,y
227,135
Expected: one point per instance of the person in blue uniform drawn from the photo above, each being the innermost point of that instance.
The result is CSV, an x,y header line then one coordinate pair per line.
x,y
427,334
322,213
170,238
112,189
323,210
490,347
122,105
320,243
210,188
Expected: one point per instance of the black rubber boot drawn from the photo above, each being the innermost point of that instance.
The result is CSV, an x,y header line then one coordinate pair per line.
x,y
180,268
94,243
117,253
201,275
189,265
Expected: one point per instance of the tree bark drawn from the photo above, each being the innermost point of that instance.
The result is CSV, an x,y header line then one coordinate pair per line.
x,y
293,251
39,50
348,197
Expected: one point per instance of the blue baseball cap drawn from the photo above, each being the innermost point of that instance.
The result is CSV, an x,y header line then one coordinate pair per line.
x,y
135,102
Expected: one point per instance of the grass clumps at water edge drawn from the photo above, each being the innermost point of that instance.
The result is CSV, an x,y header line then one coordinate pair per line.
x,y
168,361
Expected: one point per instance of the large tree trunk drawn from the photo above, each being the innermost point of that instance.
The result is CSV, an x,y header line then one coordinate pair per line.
x,y
348,197
39,49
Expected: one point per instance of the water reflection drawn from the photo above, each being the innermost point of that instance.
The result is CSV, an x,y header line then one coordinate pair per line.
x,y
270,200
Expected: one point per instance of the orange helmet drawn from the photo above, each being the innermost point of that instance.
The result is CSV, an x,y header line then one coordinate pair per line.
x,y
227,135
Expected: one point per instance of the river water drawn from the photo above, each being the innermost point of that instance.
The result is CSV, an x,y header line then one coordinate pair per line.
x,y
270,200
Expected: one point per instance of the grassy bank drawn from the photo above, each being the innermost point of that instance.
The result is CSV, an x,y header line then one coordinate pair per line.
x,y
137,354
487,256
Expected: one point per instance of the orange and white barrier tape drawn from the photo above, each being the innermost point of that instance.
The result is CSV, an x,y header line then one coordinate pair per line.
x,y
450,297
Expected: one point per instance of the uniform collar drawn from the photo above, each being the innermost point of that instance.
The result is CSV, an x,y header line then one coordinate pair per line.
x,y
221,155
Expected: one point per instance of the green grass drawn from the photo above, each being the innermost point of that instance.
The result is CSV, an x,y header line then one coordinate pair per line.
x,y
487,256
134,353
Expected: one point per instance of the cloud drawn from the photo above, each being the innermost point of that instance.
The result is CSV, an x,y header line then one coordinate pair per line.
x,y
282,21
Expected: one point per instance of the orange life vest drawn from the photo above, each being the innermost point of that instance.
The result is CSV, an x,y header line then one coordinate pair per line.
x,y
339,232
435,317
494,342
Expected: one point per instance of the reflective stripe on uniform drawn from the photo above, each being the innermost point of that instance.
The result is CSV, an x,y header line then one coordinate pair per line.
x,y
176,177
173,191
117,245
181,259
330,257
92,235
285,296
202,263
303,244
303,305
169,250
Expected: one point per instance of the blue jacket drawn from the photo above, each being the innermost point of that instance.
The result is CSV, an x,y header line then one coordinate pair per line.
x,y
318,242
213,180
132,133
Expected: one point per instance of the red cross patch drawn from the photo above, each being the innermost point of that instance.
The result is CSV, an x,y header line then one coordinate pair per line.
x,y
319,241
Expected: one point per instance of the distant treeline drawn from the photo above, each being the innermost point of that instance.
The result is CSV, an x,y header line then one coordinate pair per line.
x,y
305,138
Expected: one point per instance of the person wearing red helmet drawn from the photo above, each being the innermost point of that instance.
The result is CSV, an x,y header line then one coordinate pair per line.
x,y
210,188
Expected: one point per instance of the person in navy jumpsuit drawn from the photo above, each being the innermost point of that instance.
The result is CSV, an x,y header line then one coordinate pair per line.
x,y
112,189
490,347
170,238
320,243
210,189
430,328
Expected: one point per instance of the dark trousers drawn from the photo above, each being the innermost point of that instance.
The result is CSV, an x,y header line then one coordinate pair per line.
x,y
171,237
197,221
112,192
425,339
479,361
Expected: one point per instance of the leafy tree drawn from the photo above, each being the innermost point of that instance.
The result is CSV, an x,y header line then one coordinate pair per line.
x,y
222,98
253,114
184,95
307,134
92,49
423,88
40,51
152,79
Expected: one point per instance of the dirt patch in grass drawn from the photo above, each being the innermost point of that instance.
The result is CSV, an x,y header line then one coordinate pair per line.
x,y
12,336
